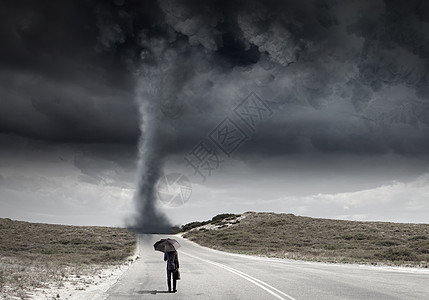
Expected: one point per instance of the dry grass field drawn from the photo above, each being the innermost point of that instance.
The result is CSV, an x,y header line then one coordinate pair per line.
x,y
289,236
35,255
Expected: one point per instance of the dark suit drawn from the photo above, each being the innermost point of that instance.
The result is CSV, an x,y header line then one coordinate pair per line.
x,y
172,259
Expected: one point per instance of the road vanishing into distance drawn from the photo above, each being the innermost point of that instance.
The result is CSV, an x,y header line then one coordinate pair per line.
x,y
211,274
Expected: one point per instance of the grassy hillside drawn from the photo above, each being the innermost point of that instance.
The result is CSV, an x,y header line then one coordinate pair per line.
x,y
289,236
33,254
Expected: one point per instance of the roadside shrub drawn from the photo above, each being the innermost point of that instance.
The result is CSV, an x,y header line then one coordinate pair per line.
x,y
398,254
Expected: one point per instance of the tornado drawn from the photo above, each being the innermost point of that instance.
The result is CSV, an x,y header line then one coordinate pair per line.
x,y
152,151
160,81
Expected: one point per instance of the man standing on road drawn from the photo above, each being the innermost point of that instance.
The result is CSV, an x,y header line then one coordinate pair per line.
x,y
172,260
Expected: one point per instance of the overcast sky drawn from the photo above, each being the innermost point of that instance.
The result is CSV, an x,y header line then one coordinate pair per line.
x,y
340,129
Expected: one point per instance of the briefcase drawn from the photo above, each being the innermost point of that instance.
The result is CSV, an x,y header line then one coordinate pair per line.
x,y
177,275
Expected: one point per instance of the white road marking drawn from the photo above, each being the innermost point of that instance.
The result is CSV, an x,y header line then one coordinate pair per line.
x,y
263,285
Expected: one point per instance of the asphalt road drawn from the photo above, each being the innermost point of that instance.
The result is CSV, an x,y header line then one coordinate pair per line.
x,y
210,274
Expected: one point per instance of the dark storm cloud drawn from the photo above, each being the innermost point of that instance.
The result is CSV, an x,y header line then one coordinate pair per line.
x,y
348,76
54,83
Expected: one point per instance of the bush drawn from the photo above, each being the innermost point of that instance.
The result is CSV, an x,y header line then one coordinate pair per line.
x,y
387,243
103,247
219,218
418,237
333,247
362,236
421,246
193,225
400,254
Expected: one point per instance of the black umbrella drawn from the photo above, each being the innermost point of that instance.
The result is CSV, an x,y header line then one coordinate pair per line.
x,y
166,245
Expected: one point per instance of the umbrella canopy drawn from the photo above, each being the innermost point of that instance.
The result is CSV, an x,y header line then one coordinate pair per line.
x,y
166,245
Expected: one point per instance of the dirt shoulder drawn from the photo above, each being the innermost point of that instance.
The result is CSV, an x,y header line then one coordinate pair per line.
x,y
324,240
45,261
